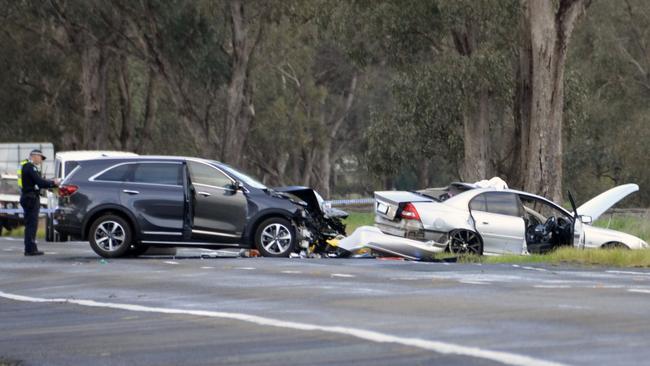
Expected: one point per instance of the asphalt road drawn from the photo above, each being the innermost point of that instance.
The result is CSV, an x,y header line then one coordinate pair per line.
x,y
69,307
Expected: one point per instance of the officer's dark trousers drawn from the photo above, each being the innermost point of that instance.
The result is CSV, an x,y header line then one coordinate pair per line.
x,y
31,206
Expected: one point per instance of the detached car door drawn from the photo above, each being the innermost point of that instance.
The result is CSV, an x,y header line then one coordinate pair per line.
x,y
219,209
498,219
154,192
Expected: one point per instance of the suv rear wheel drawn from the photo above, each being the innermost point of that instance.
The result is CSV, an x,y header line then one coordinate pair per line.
x,y
110,236
275,237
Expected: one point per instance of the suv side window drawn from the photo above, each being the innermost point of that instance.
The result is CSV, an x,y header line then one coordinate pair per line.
x,y
69,166
116,174
502,203
158,173
204,174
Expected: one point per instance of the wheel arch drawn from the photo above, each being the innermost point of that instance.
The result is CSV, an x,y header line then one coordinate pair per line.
x,y
110,209
259,218
615,245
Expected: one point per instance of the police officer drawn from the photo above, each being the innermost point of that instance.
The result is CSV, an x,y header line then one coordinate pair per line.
x,y
31,183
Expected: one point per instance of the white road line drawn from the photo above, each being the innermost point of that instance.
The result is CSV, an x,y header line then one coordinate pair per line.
x,y
552,286
344,275
471,282
372,336
207,267
246,268
640,290
630,273
534,269
292,272
170,262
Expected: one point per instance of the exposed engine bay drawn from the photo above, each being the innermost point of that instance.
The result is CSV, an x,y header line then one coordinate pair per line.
x,y
319,223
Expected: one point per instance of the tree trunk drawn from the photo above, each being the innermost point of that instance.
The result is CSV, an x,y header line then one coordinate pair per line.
x,y
550,31
151,107
423,173
476,125
94,74
521,109
127,134
240,109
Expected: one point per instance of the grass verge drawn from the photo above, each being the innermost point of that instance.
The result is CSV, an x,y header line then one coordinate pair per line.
x,y
583,257
19,232
357,219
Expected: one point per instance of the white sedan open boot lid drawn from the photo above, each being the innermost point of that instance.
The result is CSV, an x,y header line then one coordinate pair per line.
x,y
597,206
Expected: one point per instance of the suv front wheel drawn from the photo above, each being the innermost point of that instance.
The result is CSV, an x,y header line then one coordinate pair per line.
x,y
275,237
110,236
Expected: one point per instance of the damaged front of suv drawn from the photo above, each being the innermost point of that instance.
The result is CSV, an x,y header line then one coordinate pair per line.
x,y
318,224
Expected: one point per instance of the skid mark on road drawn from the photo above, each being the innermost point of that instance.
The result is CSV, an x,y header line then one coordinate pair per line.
x,y
368,335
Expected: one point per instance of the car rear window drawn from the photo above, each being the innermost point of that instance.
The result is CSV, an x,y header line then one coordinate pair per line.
x,y
478,203
502,203
158,173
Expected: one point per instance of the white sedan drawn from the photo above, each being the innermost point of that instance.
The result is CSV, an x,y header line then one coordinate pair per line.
x,y
486,221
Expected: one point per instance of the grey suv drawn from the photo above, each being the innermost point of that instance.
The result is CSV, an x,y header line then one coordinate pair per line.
x,y
123,205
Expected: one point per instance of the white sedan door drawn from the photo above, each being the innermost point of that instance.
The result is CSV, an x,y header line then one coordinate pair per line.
x,y
497,218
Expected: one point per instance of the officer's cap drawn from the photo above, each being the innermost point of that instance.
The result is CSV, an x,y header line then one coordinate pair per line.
x,y
37,152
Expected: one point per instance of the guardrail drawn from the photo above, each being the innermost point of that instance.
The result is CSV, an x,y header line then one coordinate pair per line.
x,y
351,202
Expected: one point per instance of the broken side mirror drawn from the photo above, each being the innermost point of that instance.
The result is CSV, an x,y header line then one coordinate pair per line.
x,y
586,219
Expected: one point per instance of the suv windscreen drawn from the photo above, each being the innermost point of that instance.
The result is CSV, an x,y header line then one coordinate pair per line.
x,y
158,173
204,174
243,177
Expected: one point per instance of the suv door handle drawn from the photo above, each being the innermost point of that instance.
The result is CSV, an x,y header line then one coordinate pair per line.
x,y
130,191
204,194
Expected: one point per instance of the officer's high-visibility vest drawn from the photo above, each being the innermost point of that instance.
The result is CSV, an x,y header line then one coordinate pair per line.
x,y
20,173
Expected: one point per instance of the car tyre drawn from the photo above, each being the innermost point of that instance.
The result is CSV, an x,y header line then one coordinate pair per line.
x,y
463,242
110,236
275,237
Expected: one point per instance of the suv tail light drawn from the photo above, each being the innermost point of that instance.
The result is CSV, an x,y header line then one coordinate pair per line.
x,y
409,212
67,190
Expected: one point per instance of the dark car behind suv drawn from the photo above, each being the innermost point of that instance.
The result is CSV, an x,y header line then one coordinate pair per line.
x,y
123,205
